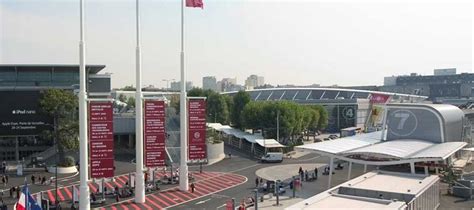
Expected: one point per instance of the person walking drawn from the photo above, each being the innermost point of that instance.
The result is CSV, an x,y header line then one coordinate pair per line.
x,y
18,192
6,179
33,179
192,187
256,182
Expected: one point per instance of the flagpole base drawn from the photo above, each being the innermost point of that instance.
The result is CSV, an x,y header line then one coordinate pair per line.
x,y
140,188
84,200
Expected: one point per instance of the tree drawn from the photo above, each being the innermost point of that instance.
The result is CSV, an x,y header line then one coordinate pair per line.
x,y
131,102
122,98
217,110
294,119
62,106
240,100
128,88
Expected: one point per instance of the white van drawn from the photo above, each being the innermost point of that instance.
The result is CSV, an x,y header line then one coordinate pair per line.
x,y
272,157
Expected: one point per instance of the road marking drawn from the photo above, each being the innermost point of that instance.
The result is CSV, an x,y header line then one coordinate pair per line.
x,y
309,159
203,201
241,169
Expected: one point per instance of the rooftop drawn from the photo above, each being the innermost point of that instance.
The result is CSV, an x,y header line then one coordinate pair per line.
x,y
93,69
363,192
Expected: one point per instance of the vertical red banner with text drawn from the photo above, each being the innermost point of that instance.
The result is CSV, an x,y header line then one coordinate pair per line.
x,y
154,133
197,129
101,139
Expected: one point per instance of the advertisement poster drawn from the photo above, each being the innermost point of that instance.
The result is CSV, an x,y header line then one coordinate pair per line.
x,y
154,133
197,129
101,139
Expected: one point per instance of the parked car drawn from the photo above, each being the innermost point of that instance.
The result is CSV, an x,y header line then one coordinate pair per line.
x,y
333,136
327,139
272,157
317,140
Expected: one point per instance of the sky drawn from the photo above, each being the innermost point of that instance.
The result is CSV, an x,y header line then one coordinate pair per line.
x,y
288,42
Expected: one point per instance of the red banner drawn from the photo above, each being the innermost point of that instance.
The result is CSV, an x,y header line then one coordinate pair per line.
x,y
379,98
154,133
101,139
197,129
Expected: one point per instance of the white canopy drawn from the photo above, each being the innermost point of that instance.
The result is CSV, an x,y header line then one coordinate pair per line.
x,y
397,150
269,143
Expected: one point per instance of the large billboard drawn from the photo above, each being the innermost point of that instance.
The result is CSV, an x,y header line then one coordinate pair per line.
x,y
154,133
197,129
101,139
20,114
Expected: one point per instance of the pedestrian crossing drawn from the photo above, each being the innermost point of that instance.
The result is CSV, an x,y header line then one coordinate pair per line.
x,y
209,183
205,183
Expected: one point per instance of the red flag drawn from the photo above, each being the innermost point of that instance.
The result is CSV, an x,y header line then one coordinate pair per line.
x,y
194,3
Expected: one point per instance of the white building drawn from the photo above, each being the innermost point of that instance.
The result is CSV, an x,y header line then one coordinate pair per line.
x,y
254,81
209,83
378,190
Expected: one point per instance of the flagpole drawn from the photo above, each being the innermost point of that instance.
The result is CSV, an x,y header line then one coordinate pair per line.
x,y
183,172
140,178
84,203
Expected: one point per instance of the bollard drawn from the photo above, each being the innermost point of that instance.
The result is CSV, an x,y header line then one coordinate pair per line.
x,y
294,187
277,187
256,199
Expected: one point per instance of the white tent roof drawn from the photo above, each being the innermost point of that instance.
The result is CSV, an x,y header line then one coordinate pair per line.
x,y
269,143
217,126
443,150
370,144
394,148
344,144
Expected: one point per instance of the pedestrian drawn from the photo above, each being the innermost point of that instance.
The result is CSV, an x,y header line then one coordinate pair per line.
x,y
11,192
6,179
117,198
301,175
256,182
230,155
43,181
33,179
18,192
192,187
316,173
306,175
300,170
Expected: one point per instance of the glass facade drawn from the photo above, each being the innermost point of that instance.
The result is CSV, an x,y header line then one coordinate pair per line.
x,y
38,78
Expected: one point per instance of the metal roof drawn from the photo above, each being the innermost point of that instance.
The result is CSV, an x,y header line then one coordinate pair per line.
x,y
94,69
321,93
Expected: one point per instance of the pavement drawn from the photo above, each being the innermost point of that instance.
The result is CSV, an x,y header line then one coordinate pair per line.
x,y
287,171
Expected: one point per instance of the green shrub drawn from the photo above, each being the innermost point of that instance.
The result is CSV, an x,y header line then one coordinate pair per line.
x,y
68,162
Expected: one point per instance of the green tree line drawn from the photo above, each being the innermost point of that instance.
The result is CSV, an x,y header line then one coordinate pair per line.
x,y
240,112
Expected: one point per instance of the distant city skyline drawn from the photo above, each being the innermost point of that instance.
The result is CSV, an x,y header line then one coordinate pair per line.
x,y
297,42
